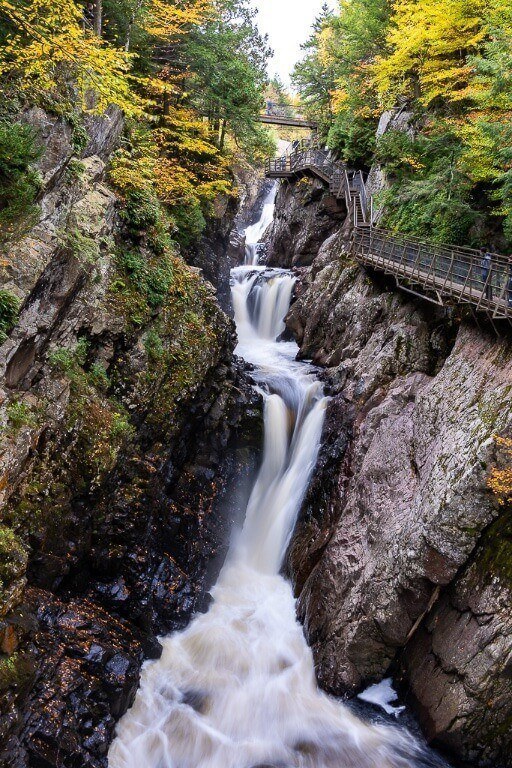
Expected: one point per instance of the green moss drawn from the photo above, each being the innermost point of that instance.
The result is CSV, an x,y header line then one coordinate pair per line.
x,y
153,345
75,170
70,362
142,283
16,671
9,671
20,414
495,552
190,339
98,377
82,247
490,408
13,557
76,459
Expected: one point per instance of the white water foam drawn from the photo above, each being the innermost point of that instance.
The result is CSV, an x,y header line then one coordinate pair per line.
x,y
237,689
382,695
255,232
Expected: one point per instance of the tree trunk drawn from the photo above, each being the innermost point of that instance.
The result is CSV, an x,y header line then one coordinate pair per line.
x,y
223,134
132,21
98,17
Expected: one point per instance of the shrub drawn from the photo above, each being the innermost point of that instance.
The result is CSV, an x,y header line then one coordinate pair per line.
x,y
9,311
353,139
151,277
70,361
75,169
19,182
141,209
431,195
82,247
190,223
20,415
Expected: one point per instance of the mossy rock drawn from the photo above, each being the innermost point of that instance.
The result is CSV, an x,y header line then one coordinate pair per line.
x,y
13,566
13,556
495,556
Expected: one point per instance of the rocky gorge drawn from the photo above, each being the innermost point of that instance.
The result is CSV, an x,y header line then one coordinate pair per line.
x,y
125,420
401,557
130,432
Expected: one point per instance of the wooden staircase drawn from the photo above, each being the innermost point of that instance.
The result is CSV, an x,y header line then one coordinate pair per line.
x,y
442,274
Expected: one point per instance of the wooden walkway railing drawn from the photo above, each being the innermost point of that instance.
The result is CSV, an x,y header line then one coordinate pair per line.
x,y
277,114
440,273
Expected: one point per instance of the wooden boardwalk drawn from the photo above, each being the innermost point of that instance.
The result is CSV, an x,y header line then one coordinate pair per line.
x,y
442,274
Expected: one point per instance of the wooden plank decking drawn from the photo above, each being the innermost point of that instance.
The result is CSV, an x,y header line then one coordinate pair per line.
x,y
440,273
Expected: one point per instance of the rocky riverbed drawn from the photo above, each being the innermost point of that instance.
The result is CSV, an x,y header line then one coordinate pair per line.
x,y
125,420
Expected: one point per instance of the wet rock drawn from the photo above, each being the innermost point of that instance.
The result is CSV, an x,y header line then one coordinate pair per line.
x,y
399,502
458,665
306,215
115,465
222,246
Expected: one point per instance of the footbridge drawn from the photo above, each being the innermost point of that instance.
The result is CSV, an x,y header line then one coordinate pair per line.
x,y
276,114
443,274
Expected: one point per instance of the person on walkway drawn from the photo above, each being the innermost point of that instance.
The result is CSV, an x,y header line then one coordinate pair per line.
x,y
486,265
509,287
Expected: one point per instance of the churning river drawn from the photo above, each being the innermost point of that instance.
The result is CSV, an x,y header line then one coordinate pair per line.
x,y
237,689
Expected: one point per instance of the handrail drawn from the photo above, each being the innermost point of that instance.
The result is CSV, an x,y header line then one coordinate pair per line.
x,y
439,271
447,271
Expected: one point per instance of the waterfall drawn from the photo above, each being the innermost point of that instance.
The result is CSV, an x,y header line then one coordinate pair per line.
x,y
261,299
255,232
237,689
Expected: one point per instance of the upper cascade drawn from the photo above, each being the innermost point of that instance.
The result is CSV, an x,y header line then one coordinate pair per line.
x,y
442,274
237,689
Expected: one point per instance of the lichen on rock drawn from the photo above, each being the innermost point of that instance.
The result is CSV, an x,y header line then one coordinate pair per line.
x,y
124,420
384,557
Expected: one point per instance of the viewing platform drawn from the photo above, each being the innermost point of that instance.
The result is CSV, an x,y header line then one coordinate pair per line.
x,y
442,274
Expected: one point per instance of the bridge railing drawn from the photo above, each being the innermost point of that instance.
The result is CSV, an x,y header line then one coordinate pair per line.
x,y
282,110
447,271
440,271
358,184
279,165
302,158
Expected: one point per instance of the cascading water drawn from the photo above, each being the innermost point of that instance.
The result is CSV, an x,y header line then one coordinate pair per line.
x,y
255,232
237,689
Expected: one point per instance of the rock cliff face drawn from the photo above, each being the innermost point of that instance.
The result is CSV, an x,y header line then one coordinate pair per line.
x,y
223,245
124,421
400,558
306,214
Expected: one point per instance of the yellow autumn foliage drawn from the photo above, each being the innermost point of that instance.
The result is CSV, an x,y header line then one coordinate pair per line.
x,y
52,49
428,44
500,480
165,21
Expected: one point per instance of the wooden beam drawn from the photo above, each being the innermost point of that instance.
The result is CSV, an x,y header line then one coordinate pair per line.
x,y
291,122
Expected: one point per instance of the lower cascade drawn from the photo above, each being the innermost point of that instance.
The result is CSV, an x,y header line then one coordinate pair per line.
x,y
237,689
